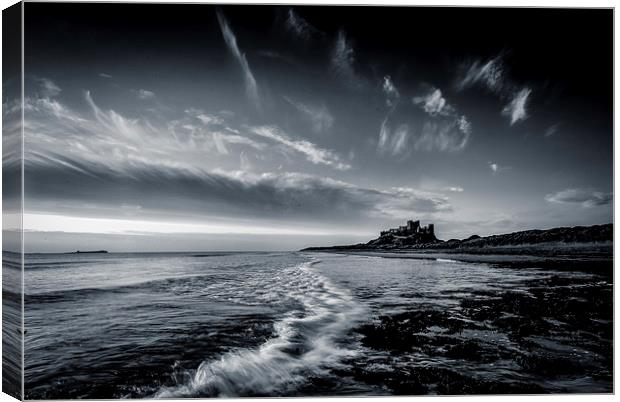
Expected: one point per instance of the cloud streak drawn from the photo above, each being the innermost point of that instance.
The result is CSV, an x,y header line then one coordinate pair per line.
x,y
492,75
313,153
217,194
319,116
441,128
497,168
48,88
434,103
552,130
94,162
587,198
445,129
144,94
516,109
394,142
343,61
107,138
299,26
443,136
251,87
391,92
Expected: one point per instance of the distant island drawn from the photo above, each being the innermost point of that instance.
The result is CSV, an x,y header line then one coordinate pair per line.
x,y
413,237
89,252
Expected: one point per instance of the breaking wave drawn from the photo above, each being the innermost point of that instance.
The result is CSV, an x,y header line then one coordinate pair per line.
x,y
308,342
445,260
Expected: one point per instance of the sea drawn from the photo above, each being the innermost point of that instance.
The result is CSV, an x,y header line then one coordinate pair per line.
x,y
225,324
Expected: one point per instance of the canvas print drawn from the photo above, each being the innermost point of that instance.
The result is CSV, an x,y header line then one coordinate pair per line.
x,y
207,200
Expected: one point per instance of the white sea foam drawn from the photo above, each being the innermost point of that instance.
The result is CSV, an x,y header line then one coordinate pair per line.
x,y
445,260
306,343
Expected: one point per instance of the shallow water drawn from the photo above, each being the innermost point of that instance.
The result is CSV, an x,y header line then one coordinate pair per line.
x,y
11,324
292,324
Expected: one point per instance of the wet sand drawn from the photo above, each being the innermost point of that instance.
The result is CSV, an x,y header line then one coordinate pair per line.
x,y
598,260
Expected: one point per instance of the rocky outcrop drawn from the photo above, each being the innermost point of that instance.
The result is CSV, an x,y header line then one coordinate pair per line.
x,y
404,241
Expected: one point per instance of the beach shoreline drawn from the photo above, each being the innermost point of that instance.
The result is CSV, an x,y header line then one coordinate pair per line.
x,y
589,257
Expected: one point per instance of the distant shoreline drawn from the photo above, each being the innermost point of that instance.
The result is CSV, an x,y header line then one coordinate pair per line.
x,y
88,252
590,262
579,248
561,238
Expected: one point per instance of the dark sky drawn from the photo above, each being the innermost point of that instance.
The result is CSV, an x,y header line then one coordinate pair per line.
x,y
232,127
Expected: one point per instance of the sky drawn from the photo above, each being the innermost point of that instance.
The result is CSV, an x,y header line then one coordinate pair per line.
x,y
194,127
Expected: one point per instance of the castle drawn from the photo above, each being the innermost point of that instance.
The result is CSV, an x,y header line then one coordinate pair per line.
x,y
411,228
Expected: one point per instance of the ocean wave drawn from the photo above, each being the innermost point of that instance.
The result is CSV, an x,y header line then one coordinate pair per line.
x,y
204,255
306,343
445,260
169,285
30,265
12,264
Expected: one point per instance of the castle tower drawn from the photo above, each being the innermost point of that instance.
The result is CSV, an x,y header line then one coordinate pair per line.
x,y
413,226
431,228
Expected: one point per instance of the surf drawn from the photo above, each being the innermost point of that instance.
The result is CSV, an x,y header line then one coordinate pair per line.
x,y
307,342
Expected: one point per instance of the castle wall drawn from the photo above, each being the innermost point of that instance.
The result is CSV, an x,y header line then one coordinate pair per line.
x,y
412,227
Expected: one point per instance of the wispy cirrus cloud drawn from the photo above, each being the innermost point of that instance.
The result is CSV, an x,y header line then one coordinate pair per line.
x,y
342,61
230,39
434,103
106,137
445,129
403,200
78,161
281,196
102,137
12,132
319,116
443,136
300,27
552,130
144,94
585,197
493,76
490,73
270,54
400,139
392,98
497,168
391,92
393,141
464,125
48,88
384,135
516,108
208,131
311,151
442,128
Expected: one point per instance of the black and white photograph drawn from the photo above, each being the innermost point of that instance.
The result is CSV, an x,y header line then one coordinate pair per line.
x,y
252,200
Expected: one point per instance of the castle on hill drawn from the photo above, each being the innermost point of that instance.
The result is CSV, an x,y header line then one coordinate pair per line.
x,y
411,228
